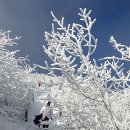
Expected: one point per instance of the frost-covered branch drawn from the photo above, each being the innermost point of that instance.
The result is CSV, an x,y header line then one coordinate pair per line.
x,y
16,84
122,49
89,89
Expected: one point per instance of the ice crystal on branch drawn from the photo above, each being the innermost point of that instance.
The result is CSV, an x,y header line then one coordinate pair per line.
x,y
122,49
65,44
96,96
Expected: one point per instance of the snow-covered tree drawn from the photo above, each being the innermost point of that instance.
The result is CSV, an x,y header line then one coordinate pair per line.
x,y
16,81
97,96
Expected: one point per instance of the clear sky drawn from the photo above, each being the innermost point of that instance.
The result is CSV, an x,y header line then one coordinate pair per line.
x,y
30,18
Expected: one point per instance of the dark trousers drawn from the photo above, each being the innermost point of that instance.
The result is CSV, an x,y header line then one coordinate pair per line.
x,y
37,120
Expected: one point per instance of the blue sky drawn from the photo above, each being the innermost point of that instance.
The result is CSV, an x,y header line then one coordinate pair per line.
x,y
30,18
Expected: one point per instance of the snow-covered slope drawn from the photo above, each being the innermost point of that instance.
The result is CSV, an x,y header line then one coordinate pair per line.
x,y
6,124
34,109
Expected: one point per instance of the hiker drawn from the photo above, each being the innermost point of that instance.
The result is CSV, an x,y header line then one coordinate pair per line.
x,y
47,114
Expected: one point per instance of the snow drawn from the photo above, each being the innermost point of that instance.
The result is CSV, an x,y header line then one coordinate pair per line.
x,y
6,124
84,93
35,106
34,110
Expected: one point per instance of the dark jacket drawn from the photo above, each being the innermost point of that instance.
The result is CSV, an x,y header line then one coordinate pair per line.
x,y
37,118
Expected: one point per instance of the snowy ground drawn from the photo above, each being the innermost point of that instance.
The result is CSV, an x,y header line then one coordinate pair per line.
x,y
34,109
21,125
6,124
